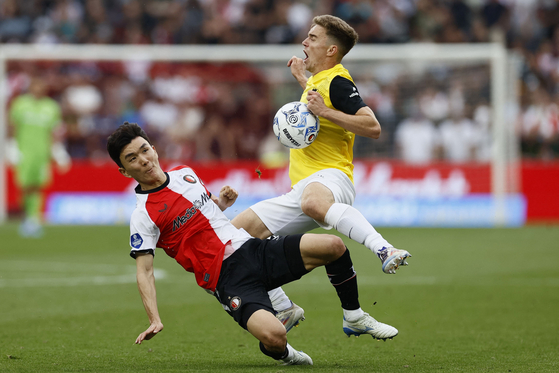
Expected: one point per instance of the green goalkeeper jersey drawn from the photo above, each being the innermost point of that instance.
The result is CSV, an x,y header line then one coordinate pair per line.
x,y
34,121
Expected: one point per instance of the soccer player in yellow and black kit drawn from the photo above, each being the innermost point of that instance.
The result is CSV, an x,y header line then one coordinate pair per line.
x,y
322,174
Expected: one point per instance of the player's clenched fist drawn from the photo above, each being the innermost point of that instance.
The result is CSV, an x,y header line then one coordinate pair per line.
x,y
227,196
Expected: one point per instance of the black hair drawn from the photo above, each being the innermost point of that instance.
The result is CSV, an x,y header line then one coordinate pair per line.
x,y
123,136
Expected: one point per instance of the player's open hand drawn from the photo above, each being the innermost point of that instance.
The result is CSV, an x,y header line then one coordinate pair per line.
x,y
151,332
227,197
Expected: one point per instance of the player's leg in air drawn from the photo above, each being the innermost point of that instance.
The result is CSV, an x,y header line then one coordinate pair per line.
x,y
339,268
298,255
317,201
322,200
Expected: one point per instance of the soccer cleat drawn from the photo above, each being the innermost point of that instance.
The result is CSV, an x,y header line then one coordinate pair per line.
x,y
368,325
296,357
291,316
392,258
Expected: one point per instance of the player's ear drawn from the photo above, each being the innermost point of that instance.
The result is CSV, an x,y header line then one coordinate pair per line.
x,y
123,171
332,50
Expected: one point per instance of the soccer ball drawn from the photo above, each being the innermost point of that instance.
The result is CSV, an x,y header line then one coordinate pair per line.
x,y
295,126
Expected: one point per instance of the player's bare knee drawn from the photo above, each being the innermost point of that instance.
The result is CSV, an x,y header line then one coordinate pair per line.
x,y
333,247
338,246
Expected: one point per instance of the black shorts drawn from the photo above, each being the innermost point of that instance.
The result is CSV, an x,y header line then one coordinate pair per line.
x,y
255,268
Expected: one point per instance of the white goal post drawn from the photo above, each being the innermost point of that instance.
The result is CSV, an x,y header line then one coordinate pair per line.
x,y
502,85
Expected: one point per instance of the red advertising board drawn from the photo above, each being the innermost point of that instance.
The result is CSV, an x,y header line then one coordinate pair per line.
x,y
540,181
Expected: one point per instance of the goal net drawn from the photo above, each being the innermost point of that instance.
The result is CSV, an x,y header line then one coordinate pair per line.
x,y
448,154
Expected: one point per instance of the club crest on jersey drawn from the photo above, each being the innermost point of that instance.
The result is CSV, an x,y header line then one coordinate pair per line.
x,y
189,179
235,303
136,240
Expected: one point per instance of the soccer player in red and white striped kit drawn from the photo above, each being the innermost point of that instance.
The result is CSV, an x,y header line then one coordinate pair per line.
x,y
176,212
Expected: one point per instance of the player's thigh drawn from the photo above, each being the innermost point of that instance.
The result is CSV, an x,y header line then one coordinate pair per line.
x,y
29,173
240,288
251,222
283,215
263,325
339,184
320,249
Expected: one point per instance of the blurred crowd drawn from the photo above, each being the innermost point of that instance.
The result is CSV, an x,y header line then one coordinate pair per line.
x,y
215,116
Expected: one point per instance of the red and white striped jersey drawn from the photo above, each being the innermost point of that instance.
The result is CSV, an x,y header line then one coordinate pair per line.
x,y
180,217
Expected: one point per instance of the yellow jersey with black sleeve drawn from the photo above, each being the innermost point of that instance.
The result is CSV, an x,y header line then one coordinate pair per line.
x,y
333,147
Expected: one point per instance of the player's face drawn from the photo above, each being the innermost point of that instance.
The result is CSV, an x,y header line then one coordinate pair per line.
x,y
141,162
317,46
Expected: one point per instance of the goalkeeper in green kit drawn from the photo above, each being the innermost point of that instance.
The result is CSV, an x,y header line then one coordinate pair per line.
x,y
34,118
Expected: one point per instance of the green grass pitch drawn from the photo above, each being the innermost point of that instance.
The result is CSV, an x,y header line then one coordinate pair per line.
x,y
472,300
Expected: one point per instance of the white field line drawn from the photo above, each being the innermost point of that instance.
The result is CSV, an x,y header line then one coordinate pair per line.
x,y
19,274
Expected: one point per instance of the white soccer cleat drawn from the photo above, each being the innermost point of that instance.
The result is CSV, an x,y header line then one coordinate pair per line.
x,y
392,258
368,325
291,316
296,357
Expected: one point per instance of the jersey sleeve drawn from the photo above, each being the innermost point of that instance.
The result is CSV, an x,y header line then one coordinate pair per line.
x,y
144,234
345,96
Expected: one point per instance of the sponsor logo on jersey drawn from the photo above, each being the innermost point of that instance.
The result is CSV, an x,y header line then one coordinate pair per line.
x,y
235,303
189,179
136,240
164,208
191,211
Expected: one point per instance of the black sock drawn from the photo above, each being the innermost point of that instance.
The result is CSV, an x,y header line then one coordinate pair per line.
x,y
344,279
274,355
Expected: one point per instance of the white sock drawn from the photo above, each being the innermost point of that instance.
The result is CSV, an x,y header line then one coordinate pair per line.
x,y
290,353
353,315
350,222
279,299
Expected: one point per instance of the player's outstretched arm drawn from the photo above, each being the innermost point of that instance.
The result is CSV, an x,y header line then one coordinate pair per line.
x,y
227,197
146,285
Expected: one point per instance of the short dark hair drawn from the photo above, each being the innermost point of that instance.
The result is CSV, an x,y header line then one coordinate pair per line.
x,y
122,137
343,34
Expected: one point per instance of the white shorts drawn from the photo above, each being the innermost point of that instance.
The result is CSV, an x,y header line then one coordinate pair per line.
x,y
283,215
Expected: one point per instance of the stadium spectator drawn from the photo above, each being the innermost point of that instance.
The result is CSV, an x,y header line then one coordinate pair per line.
x,y
529,27
459,138
417,138
15,25
434,104
540,126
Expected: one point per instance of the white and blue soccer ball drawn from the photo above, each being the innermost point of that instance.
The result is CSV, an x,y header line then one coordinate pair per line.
x,y
295,126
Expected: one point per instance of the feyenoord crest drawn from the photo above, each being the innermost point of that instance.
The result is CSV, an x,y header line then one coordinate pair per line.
x,y
235,303
189,179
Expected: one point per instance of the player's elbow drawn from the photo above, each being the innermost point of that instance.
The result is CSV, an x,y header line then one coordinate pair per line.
x,y
373,132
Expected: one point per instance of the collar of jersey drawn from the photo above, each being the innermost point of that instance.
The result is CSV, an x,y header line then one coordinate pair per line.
x,y
328,71
139,190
